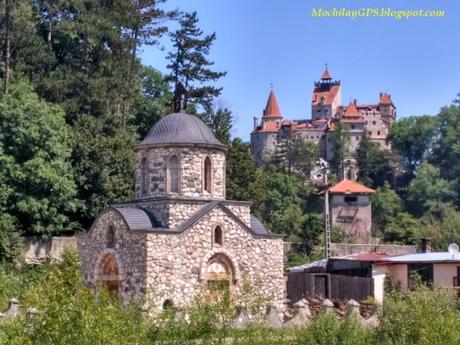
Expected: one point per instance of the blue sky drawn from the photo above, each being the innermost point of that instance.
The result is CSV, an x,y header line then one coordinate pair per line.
x,y
275,41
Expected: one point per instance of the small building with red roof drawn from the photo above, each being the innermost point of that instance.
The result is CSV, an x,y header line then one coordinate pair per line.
x,y
350,209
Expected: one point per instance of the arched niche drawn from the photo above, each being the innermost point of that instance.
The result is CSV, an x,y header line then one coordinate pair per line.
x,y
109,273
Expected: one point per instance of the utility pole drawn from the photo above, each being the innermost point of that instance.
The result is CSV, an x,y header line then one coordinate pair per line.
x,y
327,221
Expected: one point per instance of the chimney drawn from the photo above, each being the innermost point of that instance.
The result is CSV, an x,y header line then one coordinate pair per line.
x,y
255,122
425,245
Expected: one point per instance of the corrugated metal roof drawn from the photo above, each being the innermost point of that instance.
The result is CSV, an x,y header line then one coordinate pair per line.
x,y
320,263
180,128
426,257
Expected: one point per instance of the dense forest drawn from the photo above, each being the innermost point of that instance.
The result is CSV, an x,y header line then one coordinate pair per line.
x,y
76,98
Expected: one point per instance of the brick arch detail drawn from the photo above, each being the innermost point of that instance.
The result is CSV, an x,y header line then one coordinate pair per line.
x,y
121,270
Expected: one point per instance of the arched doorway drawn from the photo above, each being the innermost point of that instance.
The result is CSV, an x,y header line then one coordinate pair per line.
x,y
109,274
219,277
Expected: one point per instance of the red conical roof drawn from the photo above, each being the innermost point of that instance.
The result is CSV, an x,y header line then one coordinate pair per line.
x,y
326,75
272,108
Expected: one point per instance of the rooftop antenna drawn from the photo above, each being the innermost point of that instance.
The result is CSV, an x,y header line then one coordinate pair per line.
x,y
453,249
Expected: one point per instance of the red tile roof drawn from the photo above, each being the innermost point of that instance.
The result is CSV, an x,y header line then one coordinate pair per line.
x,y
326,75
272,108
385,99
329,96
267,126
351,110
347,186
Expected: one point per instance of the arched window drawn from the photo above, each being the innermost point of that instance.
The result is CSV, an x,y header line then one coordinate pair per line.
x,y
207,174
144,176
173,174
218,236
110,237
109,274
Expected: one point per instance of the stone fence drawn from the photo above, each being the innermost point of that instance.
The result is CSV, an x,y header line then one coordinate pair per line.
x,y
37,250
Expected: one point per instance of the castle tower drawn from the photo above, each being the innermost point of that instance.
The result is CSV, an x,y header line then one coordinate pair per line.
x,y
265,135
327,97
387,108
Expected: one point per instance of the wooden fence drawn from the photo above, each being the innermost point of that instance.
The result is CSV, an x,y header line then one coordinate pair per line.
x,y
326,285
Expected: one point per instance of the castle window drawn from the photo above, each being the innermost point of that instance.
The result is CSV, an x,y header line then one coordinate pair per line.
x,y
370,133
378,132
373,122
144,176
207,174
173,174
110,237
218,236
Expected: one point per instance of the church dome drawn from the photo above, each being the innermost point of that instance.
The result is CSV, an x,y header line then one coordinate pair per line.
x,y
181,129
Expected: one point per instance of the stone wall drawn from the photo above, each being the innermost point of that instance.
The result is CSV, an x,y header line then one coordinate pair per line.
x,y
191,172
37,250
161,266
129,250
176,264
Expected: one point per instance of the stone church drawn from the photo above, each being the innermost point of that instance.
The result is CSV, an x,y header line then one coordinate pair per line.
x,y
180,236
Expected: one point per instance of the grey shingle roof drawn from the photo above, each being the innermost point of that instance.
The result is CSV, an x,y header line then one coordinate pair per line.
x,y
180,128
258,227
137,218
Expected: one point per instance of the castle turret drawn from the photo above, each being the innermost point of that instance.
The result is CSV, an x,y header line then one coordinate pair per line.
x,y
265,135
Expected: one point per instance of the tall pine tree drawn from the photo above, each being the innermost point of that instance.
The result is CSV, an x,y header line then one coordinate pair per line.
x,y
190,67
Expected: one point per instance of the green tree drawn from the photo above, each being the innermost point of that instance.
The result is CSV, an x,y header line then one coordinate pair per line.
x,y
412,138
304,158
427,190
35,148
447,151
340,145
241,171
219,118
103,159
374,164
189,65
311,232
153,101
403,229
386,205
10,239
278,203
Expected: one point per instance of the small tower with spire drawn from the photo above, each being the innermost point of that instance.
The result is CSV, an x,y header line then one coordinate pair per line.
x,y
327,97
264,137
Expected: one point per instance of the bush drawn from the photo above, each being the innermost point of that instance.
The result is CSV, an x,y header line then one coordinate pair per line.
x,y
10,240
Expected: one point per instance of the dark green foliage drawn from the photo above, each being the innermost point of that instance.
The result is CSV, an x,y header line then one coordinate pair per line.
x,y
412,138
10,240
386,204
35,148
340,144
310,233
447,151
403,229
241,171
427,190
103,159
189,64
153,101
277,202
373,163
220,120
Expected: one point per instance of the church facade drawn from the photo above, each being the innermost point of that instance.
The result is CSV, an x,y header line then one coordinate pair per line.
x,y
372,120
180,236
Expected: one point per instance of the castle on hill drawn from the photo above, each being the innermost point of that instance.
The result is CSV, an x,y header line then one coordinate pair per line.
x,y
374,120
